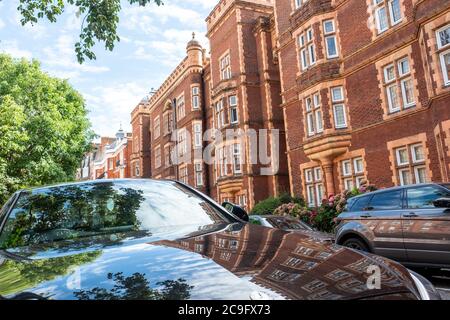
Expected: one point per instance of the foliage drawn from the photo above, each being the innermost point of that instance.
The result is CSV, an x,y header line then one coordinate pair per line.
x,y
324,217
268,206
99,23
44,130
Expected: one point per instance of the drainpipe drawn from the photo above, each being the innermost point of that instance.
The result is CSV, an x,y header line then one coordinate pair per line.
x,y
175,127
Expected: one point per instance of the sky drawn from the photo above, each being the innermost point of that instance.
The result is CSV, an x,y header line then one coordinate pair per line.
x,y
153,42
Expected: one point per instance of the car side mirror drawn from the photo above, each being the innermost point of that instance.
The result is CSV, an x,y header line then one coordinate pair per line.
x,y
442,203
236,210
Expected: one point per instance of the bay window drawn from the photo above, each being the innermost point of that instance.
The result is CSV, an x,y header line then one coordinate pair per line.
x,y
443,43
339,112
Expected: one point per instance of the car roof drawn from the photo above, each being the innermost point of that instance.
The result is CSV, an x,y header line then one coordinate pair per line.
x,y
90,182
397,188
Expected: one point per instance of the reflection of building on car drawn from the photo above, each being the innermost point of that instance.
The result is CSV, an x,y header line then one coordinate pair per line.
x,y
409,224
287,223
118,233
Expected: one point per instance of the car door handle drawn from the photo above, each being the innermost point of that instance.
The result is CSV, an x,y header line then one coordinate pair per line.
x,y
366,216
410,215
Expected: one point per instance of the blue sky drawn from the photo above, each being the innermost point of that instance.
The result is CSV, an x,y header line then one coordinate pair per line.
x,y
153,41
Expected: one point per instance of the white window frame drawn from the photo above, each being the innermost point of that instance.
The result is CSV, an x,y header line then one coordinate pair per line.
x,y
378,21
198,134
333,98
392,108
233,108
400,175
438,38
343,125
195,97
391,13
416,174
158,161
198,173
181,107
407,104
413,153
157,127
318,174
346,173
355,165
237,157
386,74
399,64
225,67
331,56
444,68
398,158
309,178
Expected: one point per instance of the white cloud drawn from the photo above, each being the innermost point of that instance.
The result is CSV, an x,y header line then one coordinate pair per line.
x,y
61,58
12,47
2,24
111,105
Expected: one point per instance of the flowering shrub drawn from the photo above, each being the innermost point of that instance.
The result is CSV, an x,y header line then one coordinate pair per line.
x,y
324,217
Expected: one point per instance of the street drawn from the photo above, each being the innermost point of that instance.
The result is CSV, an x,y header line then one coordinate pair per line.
x,y
440,279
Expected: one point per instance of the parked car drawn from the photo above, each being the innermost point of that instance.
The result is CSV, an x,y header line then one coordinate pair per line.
x,y
146,239
287,223
410,224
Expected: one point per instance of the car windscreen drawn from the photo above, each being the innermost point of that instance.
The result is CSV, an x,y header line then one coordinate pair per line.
x,y
86,210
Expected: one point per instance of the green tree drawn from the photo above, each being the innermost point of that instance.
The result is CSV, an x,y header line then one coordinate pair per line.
x,y
44,129
99,23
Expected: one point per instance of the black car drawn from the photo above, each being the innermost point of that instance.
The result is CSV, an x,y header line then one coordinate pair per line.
x,y
145,239
410,224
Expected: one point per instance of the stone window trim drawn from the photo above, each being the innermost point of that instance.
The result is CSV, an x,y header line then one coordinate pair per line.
x,y
198,168
398,81
225,66
396,76
196,97
233,104
197,134
158,161
183,174
355,175
181,107
168,154
313,183
156,128
386,14
313,114
338,110
297,4
306,49
443,51
411,167
330,36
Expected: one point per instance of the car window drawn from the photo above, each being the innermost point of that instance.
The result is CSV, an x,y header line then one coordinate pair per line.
x,y
359,204
446,185
423,197
387,200
80,211
255,220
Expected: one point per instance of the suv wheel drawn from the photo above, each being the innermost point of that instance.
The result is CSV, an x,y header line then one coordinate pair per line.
x,y
357,244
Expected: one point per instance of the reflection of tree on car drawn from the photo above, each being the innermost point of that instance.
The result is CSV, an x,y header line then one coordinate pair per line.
x,y
72,212
137,287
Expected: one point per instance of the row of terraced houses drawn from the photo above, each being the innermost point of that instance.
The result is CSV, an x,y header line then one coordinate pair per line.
x,y
359,91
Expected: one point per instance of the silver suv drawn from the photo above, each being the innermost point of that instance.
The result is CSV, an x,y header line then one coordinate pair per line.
x,y
410,224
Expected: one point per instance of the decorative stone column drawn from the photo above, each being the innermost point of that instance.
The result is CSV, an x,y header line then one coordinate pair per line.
x,y
328,169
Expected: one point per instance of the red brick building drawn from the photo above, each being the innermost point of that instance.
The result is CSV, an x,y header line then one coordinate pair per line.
x,y
358,89
366,92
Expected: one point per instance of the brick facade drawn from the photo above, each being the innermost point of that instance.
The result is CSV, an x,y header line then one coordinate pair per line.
x,y
358,89
391,96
